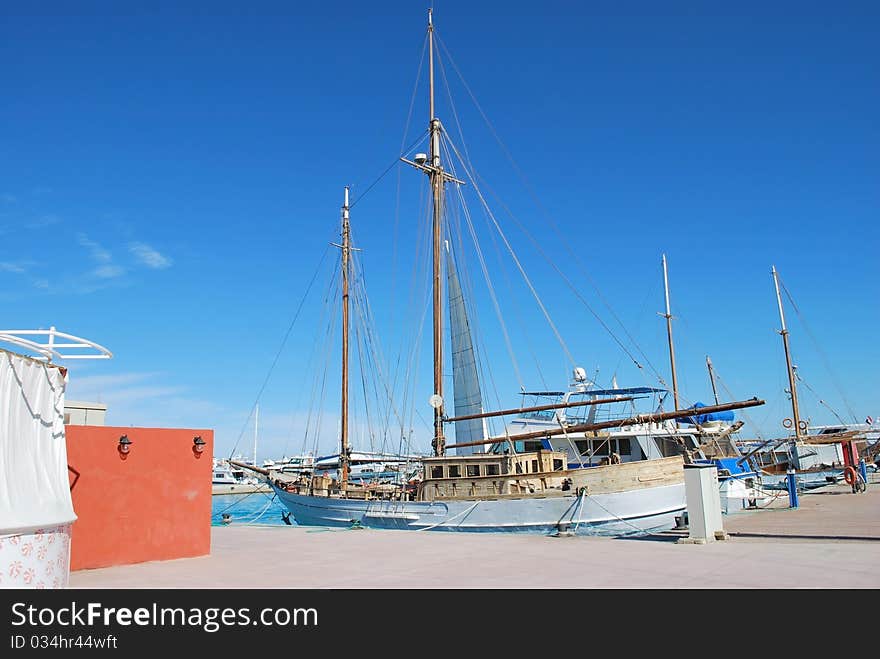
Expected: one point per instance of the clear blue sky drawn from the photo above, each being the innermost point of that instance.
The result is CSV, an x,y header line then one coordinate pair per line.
x,y
171,172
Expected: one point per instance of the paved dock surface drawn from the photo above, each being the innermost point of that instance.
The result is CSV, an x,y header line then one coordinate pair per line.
x,y
832,540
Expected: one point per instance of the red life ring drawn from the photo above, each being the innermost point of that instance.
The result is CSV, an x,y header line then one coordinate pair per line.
x,y
849,475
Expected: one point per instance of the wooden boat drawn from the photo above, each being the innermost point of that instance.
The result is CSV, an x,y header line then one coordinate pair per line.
x,y
503,489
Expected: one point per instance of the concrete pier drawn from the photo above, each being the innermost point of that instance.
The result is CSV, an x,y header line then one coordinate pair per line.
x,y
832,540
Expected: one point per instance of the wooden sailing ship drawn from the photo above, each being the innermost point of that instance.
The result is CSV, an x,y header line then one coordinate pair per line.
x,y
504,489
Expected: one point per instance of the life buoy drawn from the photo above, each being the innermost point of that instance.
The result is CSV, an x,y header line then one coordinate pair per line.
x,y
849,475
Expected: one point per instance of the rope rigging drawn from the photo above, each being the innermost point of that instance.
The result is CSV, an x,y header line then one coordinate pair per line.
x,y
280,350
549,218
825,361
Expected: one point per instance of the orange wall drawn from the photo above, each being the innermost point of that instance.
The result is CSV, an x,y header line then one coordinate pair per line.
x,y
153,504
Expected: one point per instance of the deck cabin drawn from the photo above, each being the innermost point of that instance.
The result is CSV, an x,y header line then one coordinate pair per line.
x,y
490,474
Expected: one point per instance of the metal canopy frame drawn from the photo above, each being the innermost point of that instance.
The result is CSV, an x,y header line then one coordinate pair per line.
x,y
53,349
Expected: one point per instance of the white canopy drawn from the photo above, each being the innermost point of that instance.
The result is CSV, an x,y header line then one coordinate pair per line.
x,y
34,485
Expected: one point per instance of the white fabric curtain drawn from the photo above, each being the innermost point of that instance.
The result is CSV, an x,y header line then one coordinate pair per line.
x,y
34,485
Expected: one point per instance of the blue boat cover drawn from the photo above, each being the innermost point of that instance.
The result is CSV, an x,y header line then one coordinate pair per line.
x,y
703,418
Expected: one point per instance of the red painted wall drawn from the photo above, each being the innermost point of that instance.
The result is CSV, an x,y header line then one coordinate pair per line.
x,y
152,504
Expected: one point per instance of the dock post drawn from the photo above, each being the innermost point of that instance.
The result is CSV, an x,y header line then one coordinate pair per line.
x,y
792,489
863,470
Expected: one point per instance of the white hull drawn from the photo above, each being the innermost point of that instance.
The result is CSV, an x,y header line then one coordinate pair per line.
x,y
239,488
614,514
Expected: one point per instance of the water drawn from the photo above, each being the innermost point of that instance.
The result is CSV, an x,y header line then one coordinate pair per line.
x,y
256,508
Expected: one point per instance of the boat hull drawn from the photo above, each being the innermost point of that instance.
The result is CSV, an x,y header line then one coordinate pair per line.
x,y
633,512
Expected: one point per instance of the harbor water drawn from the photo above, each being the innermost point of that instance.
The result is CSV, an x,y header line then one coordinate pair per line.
x,y
253,508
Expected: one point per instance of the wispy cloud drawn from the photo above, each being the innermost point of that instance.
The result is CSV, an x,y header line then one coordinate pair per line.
x,y
6,266
109,271
126,389
149,256
145,400
42,221
106,270
100,254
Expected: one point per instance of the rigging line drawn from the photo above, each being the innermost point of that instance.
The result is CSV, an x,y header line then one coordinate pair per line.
x,y
642,313
368,352
452,106
396,161
360,302
534,196
489,283
514,257
402,361
280,349
825,361
411,359
394,231
365,315
312,365
360,352
755,427
367,318
372,353
494,242
580,296
329,340
516,311
485,374
821,402
482,357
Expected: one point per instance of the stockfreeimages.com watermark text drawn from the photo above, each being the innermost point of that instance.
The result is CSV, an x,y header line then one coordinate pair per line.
x,y
209,619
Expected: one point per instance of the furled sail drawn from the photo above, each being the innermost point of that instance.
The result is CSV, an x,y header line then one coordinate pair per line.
x,y
465,381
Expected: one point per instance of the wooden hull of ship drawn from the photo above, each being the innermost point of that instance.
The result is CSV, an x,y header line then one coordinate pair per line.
x,y
641,509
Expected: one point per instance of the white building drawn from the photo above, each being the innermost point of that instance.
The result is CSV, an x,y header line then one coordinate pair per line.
x,y
78,413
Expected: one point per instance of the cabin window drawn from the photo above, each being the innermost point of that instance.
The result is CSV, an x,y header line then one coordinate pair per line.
x,y
519,468
534,466
492,470
557,464
600,447
583,446
533,445
436,472
473,470
625,446
454,471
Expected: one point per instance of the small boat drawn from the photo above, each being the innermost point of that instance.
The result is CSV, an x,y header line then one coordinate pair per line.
x,y
227,478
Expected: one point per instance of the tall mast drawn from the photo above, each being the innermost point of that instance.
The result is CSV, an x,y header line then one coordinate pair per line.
x,y
796,417
712,378
437,182
668,316
430,165
256,422
344,466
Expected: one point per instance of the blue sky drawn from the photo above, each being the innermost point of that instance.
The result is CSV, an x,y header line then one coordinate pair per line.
x,y
171,173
